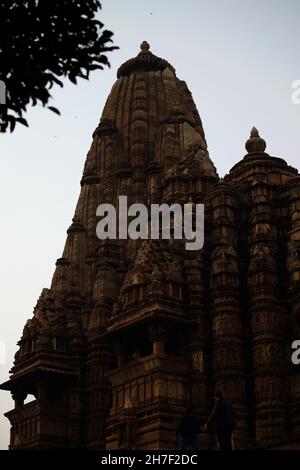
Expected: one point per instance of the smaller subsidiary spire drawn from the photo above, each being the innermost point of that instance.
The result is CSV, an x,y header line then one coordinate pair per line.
x,y
255,143
145,46
76,225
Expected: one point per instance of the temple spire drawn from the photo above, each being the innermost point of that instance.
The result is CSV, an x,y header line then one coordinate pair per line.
x,y
255,143
145,46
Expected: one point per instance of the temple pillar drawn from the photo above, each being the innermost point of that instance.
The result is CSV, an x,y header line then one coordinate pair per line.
x,y
227,333
267,321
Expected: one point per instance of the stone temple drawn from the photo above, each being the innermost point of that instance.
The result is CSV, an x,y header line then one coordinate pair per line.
x,y
132,331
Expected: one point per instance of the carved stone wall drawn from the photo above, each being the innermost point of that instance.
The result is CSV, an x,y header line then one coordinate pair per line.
x,y
133,331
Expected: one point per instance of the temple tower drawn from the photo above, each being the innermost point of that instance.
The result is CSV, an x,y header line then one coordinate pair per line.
x,y
130,332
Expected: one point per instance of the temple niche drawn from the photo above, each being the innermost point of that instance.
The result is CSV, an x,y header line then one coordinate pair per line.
x,y
130,332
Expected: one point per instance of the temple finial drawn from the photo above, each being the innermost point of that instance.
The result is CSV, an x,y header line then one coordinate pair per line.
x,y
145,46
254,132
255,143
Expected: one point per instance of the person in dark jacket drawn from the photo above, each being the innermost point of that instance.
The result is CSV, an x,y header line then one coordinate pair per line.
x,y
187,430
223,418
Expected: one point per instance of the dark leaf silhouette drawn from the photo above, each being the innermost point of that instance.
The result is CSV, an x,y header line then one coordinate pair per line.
x,y
55,110
43,42
22,121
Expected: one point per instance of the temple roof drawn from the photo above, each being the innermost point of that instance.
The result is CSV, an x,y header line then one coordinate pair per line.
x,y
145,60
151,116
257,163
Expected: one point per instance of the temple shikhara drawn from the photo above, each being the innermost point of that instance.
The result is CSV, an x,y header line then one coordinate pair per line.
x,y
132,331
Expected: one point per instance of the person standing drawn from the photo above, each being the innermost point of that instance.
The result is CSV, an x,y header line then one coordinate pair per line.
x,y
187,430
222,416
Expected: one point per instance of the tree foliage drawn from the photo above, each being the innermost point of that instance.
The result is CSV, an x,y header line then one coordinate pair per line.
x,y
42,41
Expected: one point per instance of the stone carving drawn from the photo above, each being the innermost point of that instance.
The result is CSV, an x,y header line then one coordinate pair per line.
x,y
132,331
